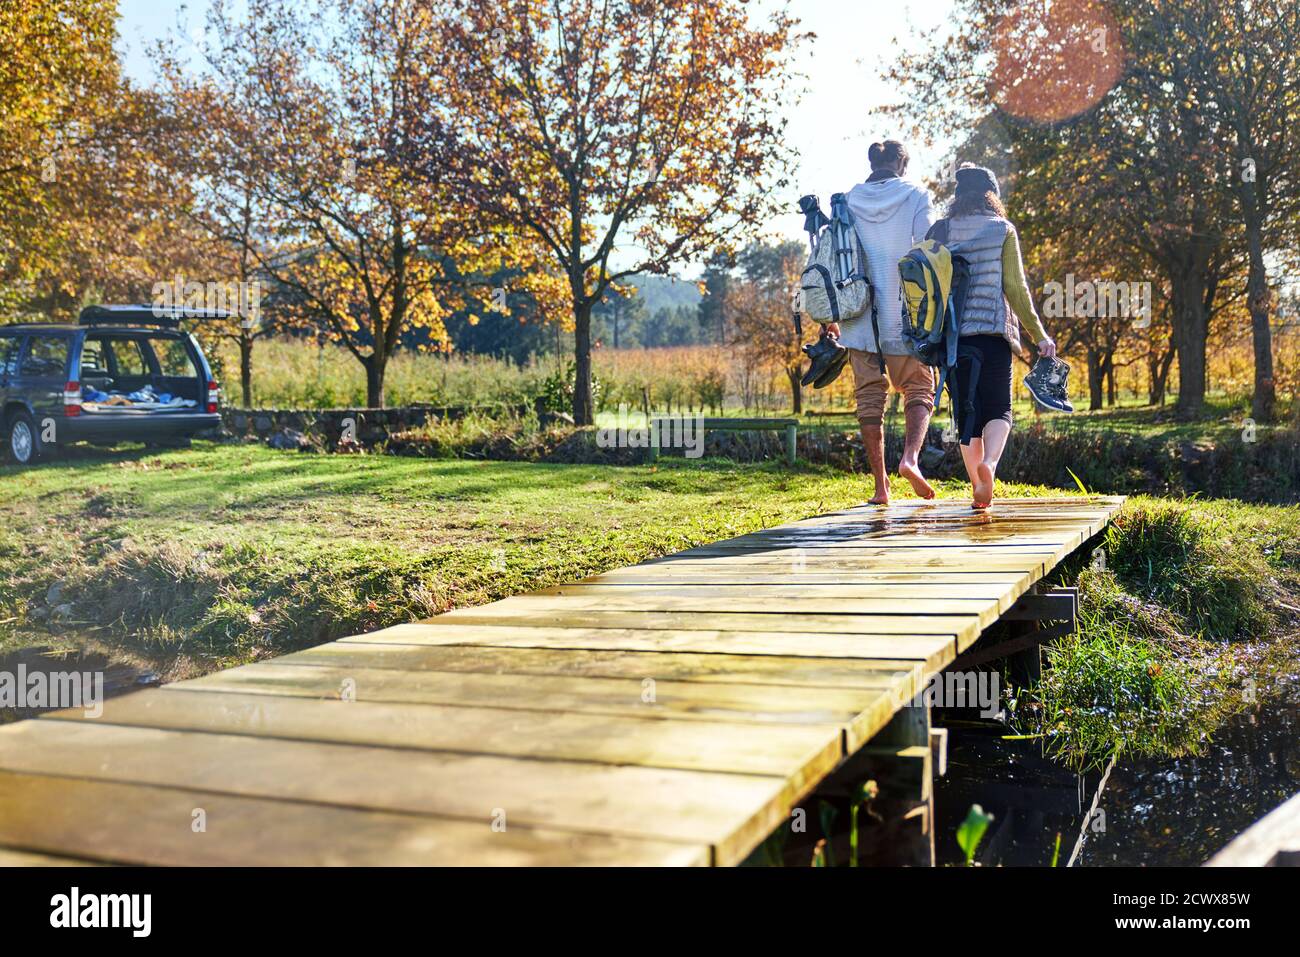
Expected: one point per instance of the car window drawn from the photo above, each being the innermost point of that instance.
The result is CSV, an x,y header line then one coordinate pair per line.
x,y
46,356
129,358
173,358
94,358
9,346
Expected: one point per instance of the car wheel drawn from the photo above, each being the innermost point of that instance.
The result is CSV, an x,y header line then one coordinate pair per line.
x,y
24,442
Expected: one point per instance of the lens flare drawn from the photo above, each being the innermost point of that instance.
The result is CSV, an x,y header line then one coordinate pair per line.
x,y
1054,60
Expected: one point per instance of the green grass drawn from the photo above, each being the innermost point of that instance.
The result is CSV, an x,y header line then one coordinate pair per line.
x,y
224,554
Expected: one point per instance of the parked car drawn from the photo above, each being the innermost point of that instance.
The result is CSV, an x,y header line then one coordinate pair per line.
x,y
120,373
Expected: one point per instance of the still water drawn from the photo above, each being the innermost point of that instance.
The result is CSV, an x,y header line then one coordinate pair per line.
x,y
1153,812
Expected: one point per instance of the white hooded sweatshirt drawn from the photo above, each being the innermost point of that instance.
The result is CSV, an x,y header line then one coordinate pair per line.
x,y
891,215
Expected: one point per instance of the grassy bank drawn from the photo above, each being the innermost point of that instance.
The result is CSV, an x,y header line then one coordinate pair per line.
x,y
223,554
1188,610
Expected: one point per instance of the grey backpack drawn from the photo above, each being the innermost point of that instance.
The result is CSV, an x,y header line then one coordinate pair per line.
x,y
834,285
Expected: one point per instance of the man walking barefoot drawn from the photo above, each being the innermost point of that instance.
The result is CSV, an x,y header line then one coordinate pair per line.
x,y
890,214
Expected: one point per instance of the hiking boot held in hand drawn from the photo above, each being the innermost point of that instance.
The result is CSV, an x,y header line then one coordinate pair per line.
x,y
1047,382
828,359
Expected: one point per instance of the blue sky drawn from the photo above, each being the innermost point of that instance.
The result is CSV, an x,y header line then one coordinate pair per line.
x,y
832,127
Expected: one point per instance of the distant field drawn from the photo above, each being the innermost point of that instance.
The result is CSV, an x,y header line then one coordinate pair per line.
x,y
295,374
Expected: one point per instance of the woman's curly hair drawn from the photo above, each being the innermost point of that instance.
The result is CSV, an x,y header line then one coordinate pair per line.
x,y
975,204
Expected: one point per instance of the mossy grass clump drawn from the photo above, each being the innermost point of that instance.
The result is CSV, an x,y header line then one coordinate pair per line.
x,y
1190,558
1168,602
1126,680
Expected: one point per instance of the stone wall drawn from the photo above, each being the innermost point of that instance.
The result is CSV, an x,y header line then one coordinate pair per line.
x,y
366,427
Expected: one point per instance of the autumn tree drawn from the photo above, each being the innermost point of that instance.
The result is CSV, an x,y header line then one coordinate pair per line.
x,y
57,67
316,107
85,211
1250,85
623,136
225,204
1110,131
760,310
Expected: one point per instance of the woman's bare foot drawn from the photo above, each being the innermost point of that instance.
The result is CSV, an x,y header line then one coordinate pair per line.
x,y
912,473
983,486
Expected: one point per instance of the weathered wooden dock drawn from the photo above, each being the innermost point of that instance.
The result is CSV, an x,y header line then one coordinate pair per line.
x,y
1272,841
672,712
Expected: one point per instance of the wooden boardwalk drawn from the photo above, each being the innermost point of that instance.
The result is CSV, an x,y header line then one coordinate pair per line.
x,y
672,712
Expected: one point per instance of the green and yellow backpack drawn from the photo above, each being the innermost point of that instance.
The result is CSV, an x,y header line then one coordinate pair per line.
x,y
933,281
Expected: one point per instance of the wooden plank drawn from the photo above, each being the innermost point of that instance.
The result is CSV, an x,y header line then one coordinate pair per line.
x,y
139,824
884,550
902,524
771,654
855,710
984,610
687,573
1275,835
698,745
934,651
913,563
733,811
919,591
787,628
1050,516
810,672
849,533
12,857
778,609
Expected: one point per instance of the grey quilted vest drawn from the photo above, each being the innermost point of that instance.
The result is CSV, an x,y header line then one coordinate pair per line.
x,y
980,238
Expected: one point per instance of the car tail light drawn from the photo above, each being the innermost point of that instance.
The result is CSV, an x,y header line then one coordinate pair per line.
x,y
214,396
72,399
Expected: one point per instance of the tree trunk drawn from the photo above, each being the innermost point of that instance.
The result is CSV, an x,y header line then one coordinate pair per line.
x,y
1094,380
796,391
1191,326
1263,405
246,370
1111,390
583,411
1158,366
376,366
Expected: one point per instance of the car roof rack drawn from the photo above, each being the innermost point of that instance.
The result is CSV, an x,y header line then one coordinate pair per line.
x,y
164,316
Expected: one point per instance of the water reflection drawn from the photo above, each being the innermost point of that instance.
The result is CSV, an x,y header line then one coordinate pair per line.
x,y
1157,812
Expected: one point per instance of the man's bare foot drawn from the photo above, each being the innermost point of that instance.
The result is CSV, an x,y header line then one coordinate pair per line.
x,y
983,486
881,497
913,474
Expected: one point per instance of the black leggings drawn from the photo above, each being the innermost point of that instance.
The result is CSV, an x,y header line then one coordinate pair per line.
x,y
988,398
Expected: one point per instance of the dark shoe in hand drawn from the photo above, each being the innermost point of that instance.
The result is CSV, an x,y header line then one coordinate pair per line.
x,y
1047,382
827,361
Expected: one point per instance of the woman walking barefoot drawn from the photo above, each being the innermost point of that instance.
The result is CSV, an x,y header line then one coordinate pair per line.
x,y
997,304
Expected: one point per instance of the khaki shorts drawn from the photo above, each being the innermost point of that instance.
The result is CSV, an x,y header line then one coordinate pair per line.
x,y
904,374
